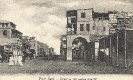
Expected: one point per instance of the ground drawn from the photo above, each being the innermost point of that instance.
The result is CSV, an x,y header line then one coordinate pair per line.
x,y
37,66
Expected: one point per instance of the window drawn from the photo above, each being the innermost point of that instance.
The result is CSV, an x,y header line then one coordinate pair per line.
x,y
103,28
73,20
5,32
81,27
120,22
2,24
6,24
82,15
69,26
87,27
93,27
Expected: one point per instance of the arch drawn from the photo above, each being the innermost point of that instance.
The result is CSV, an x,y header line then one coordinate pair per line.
x,y
79,48
71,41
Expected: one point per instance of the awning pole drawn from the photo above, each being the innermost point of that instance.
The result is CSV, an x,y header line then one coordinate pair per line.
x,y
125,50
117,49
110,56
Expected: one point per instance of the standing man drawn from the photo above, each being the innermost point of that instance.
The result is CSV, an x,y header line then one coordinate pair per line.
x,y
15,55
2,53
19,55
32,53
28,51
24,55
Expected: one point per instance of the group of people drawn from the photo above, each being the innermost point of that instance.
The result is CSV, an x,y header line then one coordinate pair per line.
x,y
17,56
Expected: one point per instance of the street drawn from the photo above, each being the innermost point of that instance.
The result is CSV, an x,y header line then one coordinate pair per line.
x,y
37,66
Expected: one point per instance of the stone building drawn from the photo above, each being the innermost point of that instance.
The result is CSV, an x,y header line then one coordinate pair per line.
x,y
41,49
51,54
9,35
119,20
85,24
78,25
89,25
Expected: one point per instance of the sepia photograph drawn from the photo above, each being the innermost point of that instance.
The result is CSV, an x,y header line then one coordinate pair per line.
x,y
67,38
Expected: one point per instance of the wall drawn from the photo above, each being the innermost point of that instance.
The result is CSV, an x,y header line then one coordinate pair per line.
x,y
5,41
99,27
8,33
88,14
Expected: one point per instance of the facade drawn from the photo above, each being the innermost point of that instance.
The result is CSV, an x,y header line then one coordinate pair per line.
x,y
8,30
51,51
87,24
9,35
91,26
50,55
78,25
41,49
119,20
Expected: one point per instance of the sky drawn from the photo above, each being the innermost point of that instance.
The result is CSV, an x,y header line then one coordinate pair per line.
x,y
46,19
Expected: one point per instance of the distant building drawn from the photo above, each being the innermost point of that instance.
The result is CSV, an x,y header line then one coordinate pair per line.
x,y
100,26
50,55
51,51
63,47
41,49
119,20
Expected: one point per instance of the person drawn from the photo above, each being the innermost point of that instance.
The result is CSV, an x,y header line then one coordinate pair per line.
x,y
14,55
24,56
11,60
28,51
32,53
2,53
19,55
3,57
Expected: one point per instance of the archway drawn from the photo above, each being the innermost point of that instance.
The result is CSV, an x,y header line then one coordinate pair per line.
x,y
79,48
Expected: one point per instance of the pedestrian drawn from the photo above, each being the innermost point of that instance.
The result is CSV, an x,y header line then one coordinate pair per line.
x,y
32,53
11,60
2,53
29,53
15,55
24,56
19,55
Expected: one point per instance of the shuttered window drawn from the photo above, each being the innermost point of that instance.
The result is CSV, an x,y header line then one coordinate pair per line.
x,y
81,27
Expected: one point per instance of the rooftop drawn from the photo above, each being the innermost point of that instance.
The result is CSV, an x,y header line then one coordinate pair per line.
x,y
4,21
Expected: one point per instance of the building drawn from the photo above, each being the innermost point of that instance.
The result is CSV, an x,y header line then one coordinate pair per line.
x,y
89,25
26,42
41,49
85,24
9,35
8,30
119,20
100,26
79,23
50,55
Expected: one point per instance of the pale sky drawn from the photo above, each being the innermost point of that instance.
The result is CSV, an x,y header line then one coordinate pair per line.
x,y
46,19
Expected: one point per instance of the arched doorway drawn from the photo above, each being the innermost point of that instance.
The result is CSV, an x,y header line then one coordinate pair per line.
x,y
79,49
